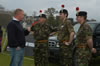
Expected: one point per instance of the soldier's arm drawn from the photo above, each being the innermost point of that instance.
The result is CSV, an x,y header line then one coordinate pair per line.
x,y
90,44
71,31
26,32
53,30
71,37
88,31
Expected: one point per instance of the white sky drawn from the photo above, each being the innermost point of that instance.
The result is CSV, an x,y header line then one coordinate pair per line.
x,y
91,6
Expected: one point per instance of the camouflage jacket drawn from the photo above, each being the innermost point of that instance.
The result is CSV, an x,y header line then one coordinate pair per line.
x,y
64,30
41,31
84,33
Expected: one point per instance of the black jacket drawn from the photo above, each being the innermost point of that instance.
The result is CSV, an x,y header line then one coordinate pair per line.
x,y
16,34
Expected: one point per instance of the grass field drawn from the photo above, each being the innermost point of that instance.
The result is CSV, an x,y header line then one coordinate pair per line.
x,y
28,61
5,60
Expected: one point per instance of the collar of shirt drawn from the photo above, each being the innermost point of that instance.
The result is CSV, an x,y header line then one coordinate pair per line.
x,y
15,19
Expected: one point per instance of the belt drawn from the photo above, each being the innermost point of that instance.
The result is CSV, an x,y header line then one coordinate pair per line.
x,y
81,46
42,41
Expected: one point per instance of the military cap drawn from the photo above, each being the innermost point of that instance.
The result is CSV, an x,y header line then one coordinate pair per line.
x,y
64,11
42,16
81,13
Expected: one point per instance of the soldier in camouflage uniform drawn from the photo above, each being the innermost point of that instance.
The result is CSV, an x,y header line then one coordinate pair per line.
x,y
84,42
41,33
65,37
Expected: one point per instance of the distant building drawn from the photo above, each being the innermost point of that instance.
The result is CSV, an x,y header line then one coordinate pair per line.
x,y
1,9
5,16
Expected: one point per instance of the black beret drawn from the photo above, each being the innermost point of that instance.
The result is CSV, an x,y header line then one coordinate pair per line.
x,y
81,13
42,16
63,11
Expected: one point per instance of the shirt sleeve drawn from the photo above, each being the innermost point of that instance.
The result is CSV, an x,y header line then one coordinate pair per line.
x,y
70,27
26,32
88,32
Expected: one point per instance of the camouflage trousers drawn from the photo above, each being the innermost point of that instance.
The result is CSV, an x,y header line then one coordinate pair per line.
x,y
65,55
41,54
83,56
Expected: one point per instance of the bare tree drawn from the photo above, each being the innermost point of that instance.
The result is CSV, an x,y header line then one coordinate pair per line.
x,y
5,16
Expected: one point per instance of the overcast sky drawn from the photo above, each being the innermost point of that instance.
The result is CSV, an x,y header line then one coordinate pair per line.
x,y
91,6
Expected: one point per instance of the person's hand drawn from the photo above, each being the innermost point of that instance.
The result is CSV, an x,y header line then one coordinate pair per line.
x,y
18,48
52,33
93,50
28,28
67,43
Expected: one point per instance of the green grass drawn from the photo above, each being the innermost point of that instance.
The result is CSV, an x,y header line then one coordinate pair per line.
x,y
28,61
5,60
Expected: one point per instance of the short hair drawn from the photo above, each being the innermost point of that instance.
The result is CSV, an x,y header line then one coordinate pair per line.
x,y
64,11
17,11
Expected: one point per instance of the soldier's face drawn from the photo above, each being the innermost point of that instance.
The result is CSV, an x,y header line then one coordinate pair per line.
x,y
62,16
42,19
79,18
